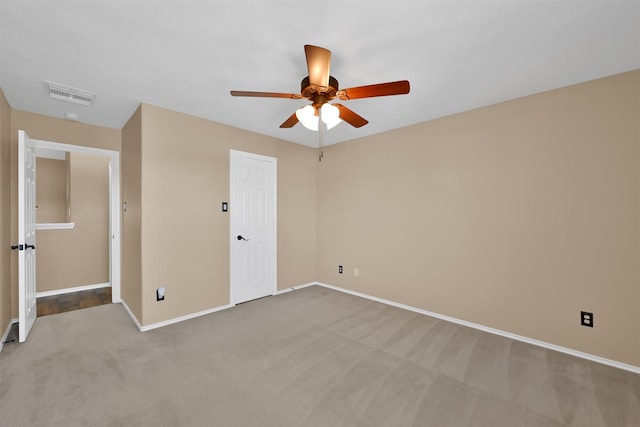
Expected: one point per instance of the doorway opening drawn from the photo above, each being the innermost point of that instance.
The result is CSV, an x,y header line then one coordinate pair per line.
x,y
48,149
72,231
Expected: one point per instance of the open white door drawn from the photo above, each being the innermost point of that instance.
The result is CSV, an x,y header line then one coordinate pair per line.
x,y
253,226
26,235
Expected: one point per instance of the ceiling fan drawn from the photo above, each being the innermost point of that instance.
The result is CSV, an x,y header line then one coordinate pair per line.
x,y
319,87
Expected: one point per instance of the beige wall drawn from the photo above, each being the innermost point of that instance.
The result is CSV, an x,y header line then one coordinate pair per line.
x,y
516,216
56,130
78,257
131,277
5,213
52,179
185,236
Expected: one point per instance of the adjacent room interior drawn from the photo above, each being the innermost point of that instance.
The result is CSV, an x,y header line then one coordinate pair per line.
x,y
493,205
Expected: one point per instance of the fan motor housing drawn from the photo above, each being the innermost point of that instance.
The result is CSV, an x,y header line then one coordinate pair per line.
x,y
311,91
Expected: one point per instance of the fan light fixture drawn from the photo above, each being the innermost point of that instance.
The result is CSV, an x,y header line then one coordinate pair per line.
x,y
319,87
309,119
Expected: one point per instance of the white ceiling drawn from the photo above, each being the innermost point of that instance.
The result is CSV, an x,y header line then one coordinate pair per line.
x,y
187,55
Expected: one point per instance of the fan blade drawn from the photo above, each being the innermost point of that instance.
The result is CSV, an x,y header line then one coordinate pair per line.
x,y
290,122
266,94
318,64
350,117
381,89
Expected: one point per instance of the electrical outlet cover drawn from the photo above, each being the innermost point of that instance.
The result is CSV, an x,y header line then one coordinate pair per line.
x,y
586,319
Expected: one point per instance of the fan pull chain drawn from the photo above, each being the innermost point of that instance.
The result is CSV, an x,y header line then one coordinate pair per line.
x,y
321,127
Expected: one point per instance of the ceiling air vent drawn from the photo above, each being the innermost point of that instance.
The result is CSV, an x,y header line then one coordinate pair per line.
x,y
69,94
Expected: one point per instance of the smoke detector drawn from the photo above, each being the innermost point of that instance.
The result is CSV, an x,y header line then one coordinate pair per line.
x,y
72,116
69,94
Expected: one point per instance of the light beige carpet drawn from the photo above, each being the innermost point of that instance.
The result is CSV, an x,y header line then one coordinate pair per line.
x,y
313,357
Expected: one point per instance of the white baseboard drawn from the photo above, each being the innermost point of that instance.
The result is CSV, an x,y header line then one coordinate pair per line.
x,y
200,313
183,318
580,354
171,321
285,290
6,332
74,289
133,317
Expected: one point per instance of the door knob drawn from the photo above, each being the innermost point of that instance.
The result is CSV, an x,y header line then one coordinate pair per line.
x,y
242,238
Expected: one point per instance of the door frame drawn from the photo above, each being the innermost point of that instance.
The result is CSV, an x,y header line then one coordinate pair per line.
x,y
114,204
233,156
